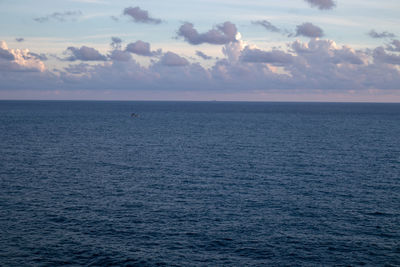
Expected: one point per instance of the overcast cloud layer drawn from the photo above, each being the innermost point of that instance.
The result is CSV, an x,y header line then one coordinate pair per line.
x,y
307,60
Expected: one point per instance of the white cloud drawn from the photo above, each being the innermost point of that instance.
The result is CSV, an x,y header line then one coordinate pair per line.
x,y
12,60
314,65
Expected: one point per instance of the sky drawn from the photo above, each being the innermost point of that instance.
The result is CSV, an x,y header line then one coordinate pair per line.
x,y
228,50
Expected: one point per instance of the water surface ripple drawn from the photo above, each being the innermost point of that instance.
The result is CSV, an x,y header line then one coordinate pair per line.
x,y
199,184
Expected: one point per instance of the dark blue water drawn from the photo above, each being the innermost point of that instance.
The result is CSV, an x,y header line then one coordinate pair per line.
x,y
208,184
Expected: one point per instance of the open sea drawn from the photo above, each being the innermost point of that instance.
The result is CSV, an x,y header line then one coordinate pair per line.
x,y
199,184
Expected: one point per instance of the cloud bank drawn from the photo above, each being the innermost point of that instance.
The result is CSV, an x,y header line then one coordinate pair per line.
x,y
319,64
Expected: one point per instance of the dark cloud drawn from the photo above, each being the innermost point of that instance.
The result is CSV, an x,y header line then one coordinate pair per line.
x,y
381,56
322,4
347,55
221,34
59,16
377,35
173,60
19,40
141,48
394,46
118,55
41,57
5,54
116,42
260,56
308,29
84,53
267,25
141,16
202,55
77,68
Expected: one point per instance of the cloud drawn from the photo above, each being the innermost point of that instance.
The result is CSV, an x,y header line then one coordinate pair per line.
x,y
233,50
377,35
258,56
221,34
348,55
59,16
84,53
308,29
17,60
302,66
118,55
267,25
322,4
142,48
381,56
140,16
324,52
41,57
202,55
394,46
173,60
5,54
116,42
19,40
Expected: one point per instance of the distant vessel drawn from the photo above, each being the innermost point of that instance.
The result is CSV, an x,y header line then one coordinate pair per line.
x,y
134,115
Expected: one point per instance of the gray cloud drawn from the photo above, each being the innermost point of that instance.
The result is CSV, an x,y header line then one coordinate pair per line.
x,y
84,53
41,57
381,56
19,40
267,25
314,65
347,55
308,29
141,16
116,42
377,35
118,55
202,55
394,46
59,16
322,4
259,56
173,60
320,52
5,54
142,48
221,34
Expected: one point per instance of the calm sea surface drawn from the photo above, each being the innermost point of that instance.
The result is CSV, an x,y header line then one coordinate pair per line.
x,y
199,183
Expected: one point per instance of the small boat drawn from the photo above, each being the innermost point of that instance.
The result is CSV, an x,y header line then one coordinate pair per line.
x,y
134,115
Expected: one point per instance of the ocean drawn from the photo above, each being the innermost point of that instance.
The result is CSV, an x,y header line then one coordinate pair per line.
x,y
199,184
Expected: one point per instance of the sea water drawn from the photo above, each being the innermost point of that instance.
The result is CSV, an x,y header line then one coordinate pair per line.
x,y
199,183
